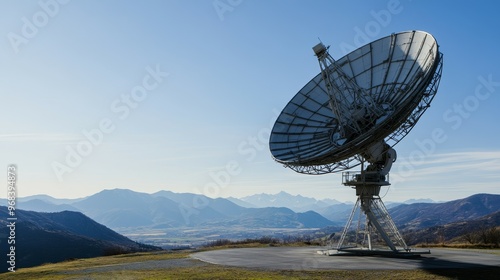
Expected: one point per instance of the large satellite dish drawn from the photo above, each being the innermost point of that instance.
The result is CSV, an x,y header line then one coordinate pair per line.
x,y
353,112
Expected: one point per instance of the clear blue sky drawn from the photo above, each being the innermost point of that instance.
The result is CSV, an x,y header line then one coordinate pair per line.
x,y
181,95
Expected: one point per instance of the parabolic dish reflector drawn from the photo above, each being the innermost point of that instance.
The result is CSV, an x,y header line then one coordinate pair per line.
x,y
400,73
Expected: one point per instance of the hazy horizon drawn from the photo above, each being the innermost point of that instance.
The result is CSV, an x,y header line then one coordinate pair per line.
x,y
241,197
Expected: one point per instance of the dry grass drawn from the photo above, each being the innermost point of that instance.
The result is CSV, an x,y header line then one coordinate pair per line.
x,y
53,270
222,272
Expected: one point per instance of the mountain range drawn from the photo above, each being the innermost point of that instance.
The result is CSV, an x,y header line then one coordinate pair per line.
x,y
122,208
118,208
297,203
334,210
176,214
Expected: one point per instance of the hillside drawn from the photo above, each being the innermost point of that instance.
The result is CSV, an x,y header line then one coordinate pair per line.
x,y
54,237
422,215
462,231
125,208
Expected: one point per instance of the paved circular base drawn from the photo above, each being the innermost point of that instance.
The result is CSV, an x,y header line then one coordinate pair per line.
x,y
308,258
